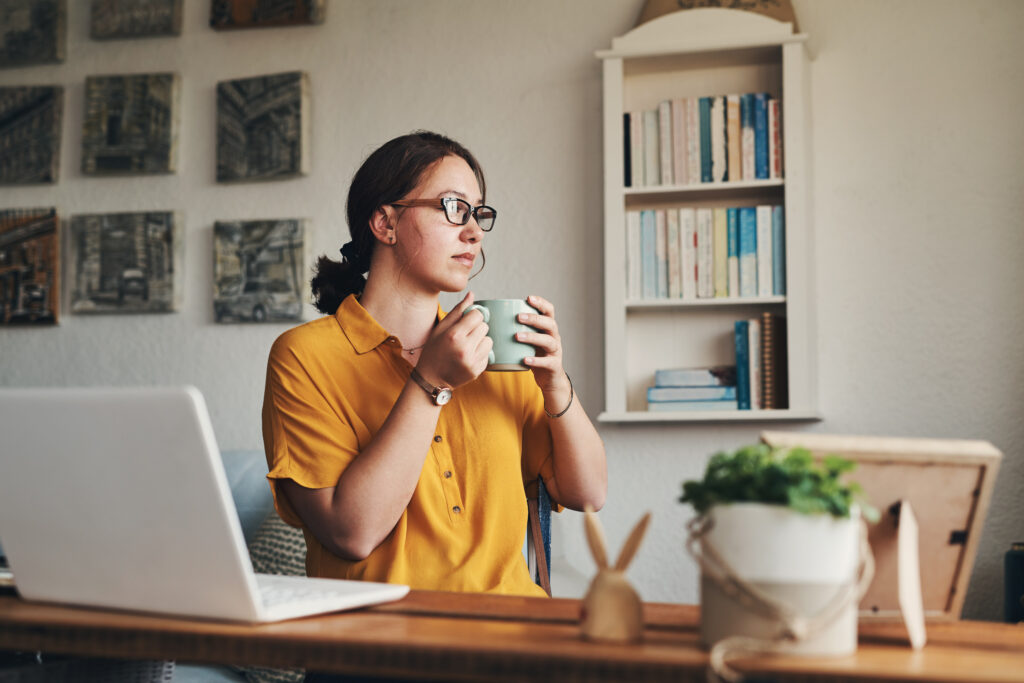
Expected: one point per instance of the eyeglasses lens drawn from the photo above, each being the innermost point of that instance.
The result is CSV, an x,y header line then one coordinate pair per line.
x,y
458,212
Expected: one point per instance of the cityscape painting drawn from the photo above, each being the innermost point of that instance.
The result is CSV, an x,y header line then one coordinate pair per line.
x,y
30,119
131,124
125,262
230,14
263,127
135,18
258,270
32,32
29,267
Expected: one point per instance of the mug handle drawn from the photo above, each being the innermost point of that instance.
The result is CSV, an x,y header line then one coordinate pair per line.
x,y
486,313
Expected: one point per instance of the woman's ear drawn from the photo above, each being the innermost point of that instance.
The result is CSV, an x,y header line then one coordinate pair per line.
x,y
382,224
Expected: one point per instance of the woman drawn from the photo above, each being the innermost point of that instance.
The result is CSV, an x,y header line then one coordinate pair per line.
x,y
387,481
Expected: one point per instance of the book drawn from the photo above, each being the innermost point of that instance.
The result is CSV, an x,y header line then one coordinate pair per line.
x,y
765,279
733,227
713,376
669,406
719,151
688,252
778,251
636,148
705,255
665,141
774,140
693,167
774,364
741,342
748,251
705,139
652,155
679,165
761,135
649,258
627,168
659,394
754,359
747,135
634,259
720,251
661,252
673,248
732,138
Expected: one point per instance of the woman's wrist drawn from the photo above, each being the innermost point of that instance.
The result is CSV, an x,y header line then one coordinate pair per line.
x,y
559,400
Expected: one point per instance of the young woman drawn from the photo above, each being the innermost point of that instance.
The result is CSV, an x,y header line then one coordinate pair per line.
x,y
389,480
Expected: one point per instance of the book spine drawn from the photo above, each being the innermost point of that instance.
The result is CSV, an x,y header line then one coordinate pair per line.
x,y
661,252
754,358
741,341
761,135
748,251
764,251
705,140
671,406
655,394
768,360
693,166
732,138
715,376
679,166
688,254
665,141
650,258
705,255
627,167
652,156
636,147
747,135
778,251
774,140
719,150
634,272
720,251
733,220
674,270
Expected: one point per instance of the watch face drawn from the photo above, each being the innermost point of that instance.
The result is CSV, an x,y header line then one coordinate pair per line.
x,y
443,396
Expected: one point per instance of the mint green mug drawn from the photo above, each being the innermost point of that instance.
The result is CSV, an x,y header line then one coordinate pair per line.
x,y
501,316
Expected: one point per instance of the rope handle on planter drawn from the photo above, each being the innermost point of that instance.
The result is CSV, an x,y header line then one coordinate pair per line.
x,y
795,626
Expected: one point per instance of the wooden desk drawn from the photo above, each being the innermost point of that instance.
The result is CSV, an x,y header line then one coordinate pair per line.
x,y
476,637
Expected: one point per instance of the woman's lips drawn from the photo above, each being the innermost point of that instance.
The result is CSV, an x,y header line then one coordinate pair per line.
x,y
465,259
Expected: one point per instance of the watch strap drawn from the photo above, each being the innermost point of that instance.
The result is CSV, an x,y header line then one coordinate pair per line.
x,y
433,391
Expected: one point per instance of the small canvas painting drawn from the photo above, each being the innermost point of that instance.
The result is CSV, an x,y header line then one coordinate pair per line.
x,y
262,127
258,270
29,267
32,32
229,14
30,119
131,124
135,18
125,262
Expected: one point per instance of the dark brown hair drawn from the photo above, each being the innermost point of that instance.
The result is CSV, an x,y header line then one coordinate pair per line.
x,y
388,174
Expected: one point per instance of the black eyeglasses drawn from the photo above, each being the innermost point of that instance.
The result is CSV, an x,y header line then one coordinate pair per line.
x,y
457,211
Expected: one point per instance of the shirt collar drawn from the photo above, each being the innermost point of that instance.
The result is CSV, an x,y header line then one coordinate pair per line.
x,y
363,332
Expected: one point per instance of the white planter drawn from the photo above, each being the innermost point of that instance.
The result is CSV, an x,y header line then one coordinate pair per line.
x,y
799,560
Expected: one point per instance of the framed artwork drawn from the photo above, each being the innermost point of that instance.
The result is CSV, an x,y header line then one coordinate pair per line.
x,y
135,18
30,119
259,270
32,32
131,124
29,267
263,127
125,262
229,14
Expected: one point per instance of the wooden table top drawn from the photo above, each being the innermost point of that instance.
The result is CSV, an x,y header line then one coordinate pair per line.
x,y
457,636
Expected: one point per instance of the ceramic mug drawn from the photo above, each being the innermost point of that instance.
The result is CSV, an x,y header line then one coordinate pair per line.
x,y
501,316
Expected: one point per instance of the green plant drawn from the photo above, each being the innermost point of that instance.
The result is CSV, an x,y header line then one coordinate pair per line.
x,y
779,476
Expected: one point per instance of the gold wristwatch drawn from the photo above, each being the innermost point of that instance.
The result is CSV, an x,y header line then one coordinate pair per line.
x,y
439,395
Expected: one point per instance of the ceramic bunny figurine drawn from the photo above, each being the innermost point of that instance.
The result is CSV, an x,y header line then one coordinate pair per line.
x,y
612,610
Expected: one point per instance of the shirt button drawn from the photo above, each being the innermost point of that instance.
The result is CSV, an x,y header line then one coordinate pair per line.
x,y
437,439
456,509
447,474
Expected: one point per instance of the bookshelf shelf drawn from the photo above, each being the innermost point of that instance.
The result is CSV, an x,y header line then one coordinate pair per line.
x,y
689,54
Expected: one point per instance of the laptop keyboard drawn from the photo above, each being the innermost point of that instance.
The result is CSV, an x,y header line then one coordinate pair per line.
x,y
280,590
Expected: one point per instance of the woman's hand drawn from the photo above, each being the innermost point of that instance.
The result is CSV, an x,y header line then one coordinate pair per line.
x,y
547,364
457,350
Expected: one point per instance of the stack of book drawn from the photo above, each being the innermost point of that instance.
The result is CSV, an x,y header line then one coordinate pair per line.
x,y
761,363
704,253
691,140
710,388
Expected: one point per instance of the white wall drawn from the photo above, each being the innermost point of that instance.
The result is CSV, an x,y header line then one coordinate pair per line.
x,y
918,218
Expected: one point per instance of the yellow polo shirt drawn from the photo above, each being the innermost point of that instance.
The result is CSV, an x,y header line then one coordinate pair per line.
x,y
330,385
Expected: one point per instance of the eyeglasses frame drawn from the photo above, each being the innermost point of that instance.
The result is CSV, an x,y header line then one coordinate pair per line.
x,y
440,203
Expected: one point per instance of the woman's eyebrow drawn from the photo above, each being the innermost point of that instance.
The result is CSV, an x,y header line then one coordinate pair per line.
x,y
458,194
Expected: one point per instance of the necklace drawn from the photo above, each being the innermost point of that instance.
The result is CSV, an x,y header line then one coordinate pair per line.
x,y
414,349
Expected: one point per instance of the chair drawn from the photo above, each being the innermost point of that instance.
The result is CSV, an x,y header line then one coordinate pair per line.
x,y
538,503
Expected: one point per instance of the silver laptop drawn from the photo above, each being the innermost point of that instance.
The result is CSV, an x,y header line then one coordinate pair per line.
x,y
117,498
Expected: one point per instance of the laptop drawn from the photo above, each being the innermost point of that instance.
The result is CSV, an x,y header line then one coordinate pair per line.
x,y
117,498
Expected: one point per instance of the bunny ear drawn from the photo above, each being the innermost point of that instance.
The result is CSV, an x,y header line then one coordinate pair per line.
x,y
595,537
632,543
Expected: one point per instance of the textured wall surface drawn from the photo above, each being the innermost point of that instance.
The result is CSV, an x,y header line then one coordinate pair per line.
x,y
918,209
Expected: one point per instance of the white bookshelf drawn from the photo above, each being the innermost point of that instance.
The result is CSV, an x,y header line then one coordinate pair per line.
x,y
696,53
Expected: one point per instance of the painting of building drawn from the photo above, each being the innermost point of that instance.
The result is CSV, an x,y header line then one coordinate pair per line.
x,y
263,127
125,262
135,18
29,267
30,119
32,32
229,14
131,124
258,270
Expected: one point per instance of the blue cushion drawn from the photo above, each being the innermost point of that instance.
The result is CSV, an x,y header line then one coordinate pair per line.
x,y
247,475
